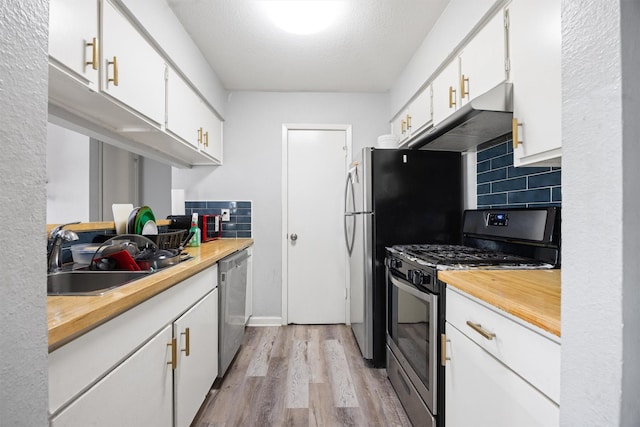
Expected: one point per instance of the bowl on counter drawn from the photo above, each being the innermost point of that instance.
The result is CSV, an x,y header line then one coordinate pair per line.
x,y
82,253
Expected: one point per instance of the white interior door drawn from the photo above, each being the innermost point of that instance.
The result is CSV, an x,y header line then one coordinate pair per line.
x,y
316,254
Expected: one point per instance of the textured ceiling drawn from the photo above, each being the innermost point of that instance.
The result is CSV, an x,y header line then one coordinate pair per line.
x,y
364,51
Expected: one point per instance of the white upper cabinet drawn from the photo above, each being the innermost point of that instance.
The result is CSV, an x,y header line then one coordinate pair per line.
x,y
74,43
480,66
399,126
133,72
419,114
212,134
445,92
482,61
129,104
182,107
534,54
477,68
191,119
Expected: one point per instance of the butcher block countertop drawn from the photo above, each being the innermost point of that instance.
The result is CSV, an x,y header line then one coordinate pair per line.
x,y
531,295
70,316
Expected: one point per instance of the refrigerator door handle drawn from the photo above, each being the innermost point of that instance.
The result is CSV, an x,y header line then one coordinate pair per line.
x,y
347,214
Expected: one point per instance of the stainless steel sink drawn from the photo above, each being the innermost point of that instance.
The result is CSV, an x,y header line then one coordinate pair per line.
x,y
84,282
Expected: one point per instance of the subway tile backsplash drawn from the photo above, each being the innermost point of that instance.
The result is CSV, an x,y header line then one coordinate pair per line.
x,y
240,224
502,185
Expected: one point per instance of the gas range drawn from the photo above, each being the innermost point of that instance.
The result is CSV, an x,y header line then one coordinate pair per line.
x,y
416,299
459,257
507,238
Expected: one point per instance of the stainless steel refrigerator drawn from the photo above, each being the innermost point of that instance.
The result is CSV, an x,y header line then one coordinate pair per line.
x,y
394,197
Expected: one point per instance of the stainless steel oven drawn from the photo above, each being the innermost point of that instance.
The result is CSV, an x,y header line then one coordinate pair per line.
x,y
412,340
506,238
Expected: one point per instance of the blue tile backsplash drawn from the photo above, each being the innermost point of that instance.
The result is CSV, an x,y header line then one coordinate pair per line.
x,y
502,185
240,224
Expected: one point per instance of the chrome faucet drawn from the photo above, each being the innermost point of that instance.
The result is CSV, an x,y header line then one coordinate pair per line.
x,y
57,236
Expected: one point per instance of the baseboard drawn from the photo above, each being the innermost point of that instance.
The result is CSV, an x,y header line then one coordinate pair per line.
x,y
265,321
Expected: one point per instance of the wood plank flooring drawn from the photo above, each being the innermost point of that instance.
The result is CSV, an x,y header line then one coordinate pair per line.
x,y
301,375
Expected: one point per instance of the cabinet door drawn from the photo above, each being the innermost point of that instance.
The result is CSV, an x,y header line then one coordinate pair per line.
x,y
482,61
212,138
534,44
139,69
480,391
399,126
137,393
197,334
183,106
445,92
420,112
73,38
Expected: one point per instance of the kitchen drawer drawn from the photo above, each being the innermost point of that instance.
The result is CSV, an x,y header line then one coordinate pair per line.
x,y
530,354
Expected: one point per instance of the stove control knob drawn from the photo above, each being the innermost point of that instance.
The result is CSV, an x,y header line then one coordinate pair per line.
x,y
395,263
416,277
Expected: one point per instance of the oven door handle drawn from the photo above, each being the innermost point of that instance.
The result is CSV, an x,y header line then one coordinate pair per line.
x,y
409,289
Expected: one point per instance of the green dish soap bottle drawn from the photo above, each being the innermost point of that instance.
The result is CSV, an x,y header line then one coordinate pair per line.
x,y
195,239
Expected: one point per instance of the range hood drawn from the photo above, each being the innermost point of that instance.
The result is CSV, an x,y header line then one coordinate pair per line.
x,y
483,119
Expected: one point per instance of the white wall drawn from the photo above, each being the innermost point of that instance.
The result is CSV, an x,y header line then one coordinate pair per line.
x,y
23,120
454,25
253,166
67,175
155,187
600,377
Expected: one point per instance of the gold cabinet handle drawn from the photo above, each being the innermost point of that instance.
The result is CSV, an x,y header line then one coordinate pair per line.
x,y
464,92
206,139
174,353
115,71
408,122
187,345
94,55
404,126
452,102
199,136
443,350
482,331
514,131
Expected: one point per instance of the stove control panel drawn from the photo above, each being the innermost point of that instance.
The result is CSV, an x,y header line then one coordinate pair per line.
x,y
497,219
418,277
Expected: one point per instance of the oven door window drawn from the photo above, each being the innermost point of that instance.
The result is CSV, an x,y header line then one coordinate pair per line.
x,y
413,327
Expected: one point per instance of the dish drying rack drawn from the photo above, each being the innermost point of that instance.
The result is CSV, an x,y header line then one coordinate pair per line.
x,y
168,240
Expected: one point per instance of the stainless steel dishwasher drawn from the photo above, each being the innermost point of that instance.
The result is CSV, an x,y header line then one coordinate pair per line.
x,y
232,272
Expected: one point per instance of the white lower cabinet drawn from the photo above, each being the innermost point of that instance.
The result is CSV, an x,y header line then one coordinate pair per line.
x,y
196,333
499,372
153,365
481,391
136,393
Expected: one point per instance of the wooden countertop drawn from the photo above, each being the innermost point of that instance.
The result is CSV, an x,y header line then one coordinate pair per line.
x,y
97,226
531,295
70,316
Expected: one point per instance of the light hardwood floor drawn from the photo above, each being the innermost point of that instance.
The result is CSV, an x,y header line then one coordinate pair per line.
x,y
301,376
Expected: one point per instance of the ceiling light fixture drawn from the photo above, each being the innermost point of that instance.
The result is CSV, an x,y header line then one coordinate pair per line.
x,y
303,16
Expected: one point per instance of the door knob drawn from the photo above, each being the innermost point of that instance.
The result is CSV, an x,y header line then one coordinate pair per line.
x,y
294,237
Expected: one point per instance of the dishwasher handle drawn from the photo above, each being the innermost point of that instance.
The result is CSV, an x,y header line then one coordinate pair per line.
x,y
233,261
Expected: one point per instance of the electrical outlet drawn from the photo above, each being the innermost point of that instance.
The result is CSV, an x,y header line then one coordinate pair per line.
x,y
226,215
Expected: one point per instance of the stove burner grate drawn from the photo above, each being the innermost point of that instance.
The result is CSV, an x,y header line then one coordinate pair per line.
x,y
448,255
